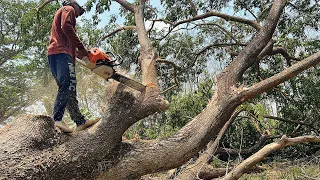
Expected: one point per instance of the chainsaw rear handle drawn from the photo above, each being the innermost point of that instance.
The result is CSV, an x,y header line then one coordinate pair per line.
x,y
115,58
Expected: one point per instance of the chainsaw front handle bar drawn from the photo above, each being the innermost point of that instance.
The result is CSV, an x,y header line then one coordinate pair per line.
x,y
115,58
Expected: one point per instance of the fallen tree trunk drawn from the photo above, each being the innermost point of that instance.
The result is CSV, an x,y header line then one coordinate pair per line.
x,y
30,148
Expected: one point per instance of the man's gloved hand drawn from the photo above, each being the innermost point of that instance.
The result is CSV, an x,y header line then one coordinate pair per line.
x,y
80,53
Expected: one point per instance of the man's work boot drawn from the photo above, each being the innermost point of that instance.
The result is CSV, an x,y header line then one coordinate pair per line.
x,y
87,124
63,127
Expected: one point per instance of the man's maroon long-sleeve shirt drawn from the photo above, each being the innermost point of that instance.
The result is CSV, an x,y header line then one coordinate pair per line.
x,y
63,37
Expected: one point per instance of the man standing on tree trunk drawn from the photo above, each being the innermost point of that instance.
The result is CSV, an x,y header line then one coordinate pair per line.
x,y
63,48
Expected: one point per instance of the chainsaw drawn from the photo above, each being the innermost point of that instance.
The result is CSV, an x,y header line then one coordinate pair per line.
x,y
103,64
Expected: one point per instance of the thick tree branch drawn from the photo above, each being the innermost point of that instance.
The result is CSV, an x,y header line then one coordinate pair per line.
x,y
248,55
50,155
148,54
145,158
237,172
125,108
126,5
281,77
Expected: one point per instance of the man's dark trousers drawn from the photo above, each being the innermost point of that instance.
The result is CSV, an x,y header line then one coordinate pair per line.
x,y
63,69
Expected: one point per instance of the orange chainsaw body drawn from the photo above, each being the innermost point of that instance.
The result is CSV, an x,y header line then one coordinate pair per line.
x,y
96,54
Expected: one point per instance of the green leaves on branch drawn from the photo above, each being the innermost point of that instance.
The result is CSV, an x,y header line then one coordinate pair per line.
x,y
14,86
184,107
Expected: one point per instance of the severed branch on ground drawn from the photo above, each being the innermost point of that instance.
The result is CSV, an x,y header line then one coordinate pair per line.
x,y
238,171
263,139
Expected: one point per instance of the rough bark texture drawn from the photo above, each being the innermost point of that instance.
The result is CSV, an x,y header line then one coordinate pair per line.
x,y
201,166
31,149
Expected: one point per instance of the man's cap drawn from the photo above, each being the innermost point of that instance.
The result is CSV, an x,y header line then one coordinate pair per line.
x,y
70,2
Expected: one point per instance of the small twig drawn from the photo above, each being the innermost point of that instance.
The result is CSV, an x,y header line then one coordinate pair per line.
x,y
289,121
193,8
174,74
226,17
284,53
222,29
220,45
296,129
114,32
257,19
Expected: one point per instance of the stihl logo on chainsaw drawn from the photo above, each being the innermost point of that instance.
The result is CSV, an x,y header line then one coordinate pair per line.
x,y
102,64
